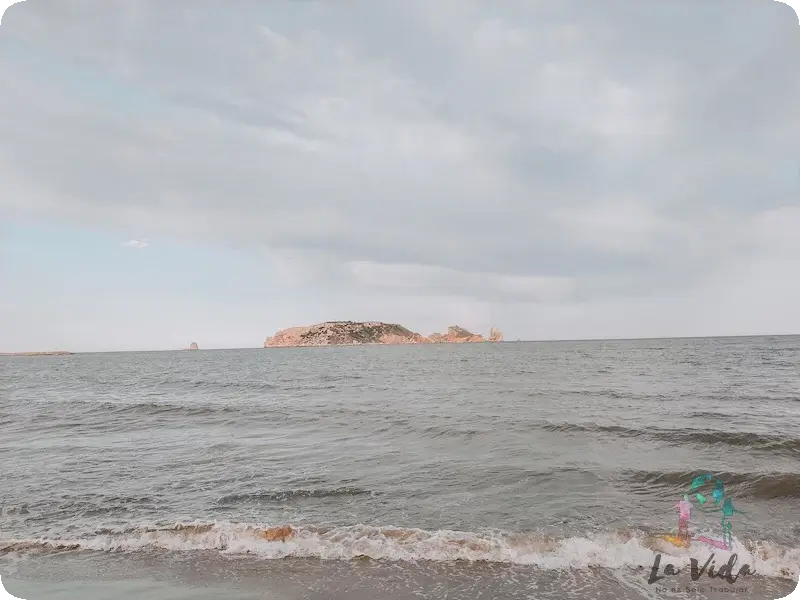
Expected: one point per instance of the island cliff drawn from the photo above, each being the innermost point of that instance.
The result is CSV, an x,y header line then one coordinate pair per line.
x,y
352,333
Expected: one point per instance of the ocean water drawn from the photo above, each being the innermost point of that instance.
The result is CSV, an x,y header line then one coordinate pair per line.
x,y
513,470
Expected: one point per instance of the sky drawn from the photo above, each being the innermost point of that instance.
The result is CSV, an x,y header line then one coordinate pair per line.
x,y
213,172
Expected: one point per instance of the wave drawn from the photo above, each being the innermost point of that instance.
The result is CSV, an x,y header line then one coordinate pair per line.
x,y
78,410
753,441
766,486
287,495
704,414
81,416
88,505
615,550
767,396
164,408
339,377
436,431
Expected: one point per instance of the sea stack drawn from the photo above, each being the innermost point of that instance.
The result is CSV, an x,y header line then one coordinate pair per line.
x,y
495,335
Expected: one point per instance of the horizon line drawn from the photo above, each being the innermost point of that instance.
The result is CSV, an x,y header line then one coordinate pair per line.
x,y
507,341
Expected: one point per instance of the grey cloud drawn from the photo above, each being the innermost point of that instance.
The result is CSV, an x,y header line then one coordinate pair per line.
x,y
468,138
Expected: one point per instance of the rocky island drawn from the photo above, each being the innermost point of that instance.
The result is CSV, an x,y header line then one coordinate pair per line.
x,y
354,333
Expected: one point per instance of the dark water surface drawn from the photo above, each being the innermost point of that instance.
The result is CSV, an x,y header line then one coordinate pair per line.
x,y
516,470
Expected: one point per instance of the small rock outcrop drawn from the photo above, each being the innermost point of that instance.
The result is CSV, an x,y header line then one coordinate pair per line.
x,y
354,333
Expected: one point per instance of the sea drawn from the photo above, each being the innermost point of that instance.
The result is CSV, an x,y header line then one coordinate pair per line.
x,y
476,471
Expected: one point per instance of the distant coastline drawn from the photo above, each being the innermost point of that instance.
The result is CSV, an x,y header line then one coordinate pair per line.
x,y
51,353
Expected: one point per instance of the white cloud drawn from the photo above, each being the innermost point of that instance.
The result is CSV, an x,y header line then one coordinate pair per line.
x,y
563,154
420,280
138,244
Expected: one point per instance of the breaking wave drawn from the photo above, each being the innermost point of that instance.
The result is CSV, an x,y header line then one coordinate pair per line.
x,y
624,549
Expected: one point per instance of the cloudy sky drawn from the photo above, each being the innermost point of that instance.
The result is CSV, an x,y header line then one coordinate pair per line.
x,y
214,171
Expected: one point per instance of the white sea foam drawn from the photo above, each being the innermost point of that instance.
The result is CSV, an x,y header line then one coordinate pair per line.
x,y
614,550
